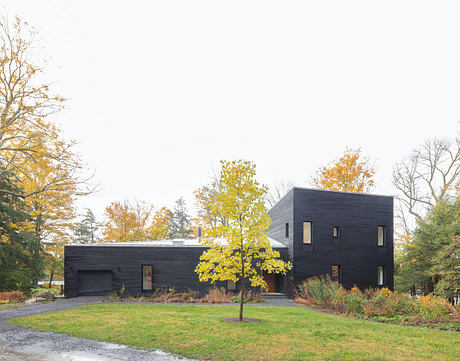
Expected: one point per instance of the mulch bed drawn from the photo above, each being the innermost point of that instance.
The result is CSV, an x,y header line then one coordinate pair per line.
x,y
245,319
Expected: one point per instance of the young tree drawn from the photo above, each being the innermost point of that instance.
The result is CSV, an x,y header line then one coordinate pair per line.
x,y
126,222
86,231
349,173
247,252
160,228
181,226
204,198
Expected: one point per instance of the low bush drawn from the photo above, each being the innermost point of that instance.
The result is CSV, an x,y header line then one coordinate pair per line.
x,y
217,295
378,303
11,297
250,297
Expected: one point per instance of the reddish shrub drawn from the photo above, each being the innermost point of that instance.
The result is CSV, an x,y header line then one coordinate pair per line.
x,y
11,296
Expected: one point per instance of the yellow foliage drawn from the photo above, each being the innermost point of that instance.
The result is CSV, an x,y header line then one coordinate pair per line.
x,y
160,226
248,251
350,173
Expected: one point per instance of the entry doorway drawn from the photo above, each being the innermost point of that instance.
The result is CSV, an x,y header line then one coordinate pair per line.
x,y
270,279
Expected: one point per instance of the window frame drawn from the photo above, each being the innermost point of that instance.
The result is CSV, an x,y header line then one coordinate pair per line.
x,y
383,236
142,278
286,230
339,272
311,233
380,267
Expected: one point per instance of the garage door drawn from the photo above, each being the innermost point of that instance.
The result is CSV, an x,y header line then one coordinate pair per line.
x,y
94,283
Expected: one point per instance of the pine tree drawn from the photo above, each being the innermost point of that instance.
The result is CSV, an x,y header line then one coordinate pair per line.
x,y
86,230
181,226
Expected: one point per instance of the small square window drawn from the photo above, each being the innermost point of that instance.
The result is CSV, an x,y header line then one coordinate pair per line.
x,y
335,232
380,235
286,230
307,232
335,273
231,285
147,278
380,275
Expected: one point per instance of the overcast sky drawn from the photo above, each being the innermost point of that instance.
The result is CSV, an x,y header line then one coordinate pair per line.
x,y
161,91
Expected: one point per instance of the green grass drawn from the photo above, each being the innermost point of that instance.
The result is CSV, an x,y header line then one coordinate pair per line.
x,y
285,333
10,305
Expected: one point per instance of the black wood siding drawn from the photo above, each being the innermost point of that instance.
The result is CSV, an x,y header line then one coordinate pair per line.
x,y
356,250
172,266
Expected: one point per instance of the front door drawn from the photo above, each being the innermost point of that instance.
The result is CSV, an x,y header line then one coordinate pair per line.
x,y
269,278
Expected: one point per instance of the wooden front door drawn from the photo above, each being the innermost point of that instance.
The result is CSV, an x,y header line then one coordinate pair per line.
x,y
269,278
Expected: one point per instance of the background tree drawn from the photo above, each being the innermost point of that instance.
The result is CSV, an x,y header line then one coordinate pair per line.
x,y
431,261
247,252
181,225
86,231
278,191
126,222
160,228
204,197
349,173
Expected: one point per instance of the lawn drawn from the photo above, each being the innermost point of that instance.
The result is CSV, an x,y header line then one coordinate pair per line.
x,y
10,305
285,333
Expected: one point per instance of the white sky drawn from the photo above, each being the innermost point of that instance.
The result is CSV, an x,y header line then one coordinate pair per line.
x,y
161,91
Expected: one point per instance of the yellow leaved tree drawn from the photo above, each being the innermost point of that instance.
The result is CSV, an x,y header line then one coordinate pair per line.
x,y
349,173
160,228
247,251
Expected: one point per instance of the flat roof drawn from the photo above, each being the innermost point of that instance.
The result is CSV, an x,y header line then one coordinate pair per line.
x,y
178,242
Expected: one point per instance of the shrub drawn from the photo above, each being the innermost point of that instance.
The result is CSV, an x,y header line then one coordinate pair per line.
x,y
250,297
217,295
354,303
11,297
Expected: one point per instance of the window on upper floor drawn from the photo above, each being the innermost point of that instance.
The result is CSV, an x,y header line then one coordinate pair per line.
x,y
307,232
286,231
380,275
380,235
335,232
335,273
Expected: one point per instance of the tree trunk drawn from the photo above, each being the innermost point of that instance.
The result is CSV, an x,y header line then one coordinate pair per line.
x,y
242,288
51,279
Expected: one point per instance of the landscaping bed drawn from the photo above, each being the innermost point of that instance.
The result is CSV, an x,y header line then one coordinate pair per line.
x,y
380,305
284,333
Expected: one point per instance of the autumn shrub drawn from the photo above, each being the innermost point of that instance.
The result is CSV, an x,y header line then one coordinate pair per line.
x,y
249,297
11,297
217,295
378,303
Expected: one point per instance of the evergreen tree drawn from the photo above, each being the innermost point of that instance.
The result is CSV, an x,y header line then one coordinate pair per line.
x,y
181,221
17,265
86,230
431,261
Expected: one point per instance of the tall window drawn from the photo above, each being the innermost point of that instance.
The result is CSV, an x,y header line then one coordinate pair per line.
x,y
147,278
335,273
380,235
335,232
307,232
380,275
287,230
231,285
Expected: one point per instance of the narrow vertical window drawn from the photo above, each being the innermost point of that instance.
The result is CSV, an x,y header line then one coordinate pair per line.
x,y
231,285
380,275
287,230
147,278
335,232
380,235
307,232
335,273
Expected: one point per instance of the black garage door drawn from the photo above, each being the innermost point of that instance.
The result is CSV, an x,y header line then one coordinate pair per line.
x,y
94,283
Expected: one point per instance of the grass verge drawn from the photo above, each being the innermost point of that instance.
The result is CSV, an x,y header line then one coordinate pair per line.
x,y
10,305
285,333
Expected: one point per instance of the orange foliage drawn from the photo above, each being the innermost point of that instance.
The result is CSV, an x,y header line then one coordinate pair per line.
x,y
350,173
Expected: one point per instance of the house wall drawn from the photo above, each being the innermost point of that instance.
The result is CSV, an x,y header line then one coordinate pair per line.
x,y
356,250
172,266
282,213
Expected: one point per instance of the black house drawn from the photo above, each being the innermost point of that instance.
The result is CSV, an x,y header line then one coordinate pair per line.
x,y
347,235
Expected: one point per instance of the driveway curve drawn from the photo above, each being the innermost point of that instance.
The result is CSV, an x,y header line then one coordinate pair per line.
x,y
18,343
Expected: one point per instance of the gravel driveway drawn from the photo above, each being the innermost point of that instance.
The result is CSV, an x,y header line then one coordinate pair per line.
x,y
17,343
